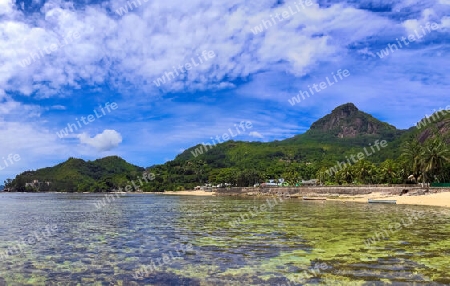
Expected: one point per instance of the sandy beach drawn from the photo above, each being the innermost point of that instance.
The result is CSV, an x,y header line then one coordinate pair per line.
x,y
190,193
439,199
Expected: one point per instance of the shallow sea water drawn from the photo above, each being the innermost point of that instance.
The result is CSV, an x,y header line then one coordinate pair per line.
x,y
291,242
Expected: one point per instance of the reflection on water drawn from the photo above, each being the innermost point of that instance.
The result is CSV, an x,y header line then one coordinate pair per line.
x,y
177,240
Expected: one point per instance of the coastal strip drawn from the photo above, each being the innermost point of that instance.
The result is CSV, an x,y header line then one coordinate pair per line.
x,y
416,195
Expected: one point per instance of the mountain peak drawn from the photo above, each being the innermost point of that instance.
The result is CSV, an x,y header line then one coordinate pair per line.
x,y
347,121
346,110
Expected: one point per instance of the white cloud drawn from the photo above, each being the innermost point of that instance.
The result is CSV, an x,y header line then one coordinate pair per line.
x,y
57,107
105,141
35,146
142,45
366,51
256,134
445,22
6,7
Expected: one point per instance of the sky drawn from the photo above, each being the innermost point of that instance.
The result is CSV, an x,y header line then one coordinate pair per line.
x,y
145,80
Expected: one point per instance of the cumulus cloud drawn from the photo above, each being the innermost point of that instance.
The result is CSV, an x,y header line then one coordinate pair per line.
x,y
6,7
104,49
256,134
105,141
152,39
35,146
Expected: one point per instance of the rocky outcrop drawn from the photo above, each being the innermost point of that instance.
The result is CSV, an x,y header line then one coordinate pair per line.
x,y
347,121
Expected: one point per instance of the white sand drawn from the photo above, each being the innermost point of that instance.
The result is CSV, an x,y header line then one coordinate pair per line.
x,y
190,193
439,199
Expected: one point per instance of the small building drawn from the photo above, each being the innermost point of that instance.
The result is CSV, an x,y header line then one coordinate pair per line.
x,y
312,182
206,188
36,184
269,185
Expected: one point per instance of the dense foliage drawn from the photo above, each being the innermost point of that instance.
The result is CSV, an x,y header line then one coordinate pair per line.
x,y
426,162
420,154
310,155
76,175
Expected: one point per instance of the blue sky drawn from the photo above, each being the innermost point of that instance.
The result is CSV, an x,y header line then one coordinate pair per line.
x,y
101,57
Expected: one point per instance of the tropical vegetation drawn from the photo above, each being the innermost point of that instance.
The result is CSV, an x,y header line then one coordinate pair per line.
x,y
413,155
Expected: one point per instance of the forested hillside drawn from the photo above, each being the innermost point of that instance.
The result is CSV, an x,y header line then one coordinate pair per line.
x,y
76,175
344,132
390,156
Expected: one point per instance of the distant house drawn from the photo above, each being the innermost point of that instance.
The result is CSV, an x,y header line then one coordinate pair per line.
x,y
36,184
269,185
275,183
206,188
223,185
312,182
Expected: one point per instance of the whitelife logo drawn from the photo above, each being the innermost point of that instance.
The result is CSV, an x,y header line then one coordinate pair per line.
x,y
254,211
165,259
90,118
124,9
12,158
265,24
39,54
322,85
184,68
243,125
393,228
30,240
108,198
411,37
434,117
360,156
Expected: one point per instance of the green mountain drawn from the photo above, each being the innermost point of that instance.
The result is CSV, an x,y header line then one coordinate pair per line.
x,y
346,131
346,121
438,123
77,175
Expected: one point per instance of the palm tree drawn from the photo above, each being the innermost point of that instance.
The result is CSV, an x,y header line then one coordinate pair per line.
x,y
434,156
291,176
322,175
389,171
412,154
345,175
364,169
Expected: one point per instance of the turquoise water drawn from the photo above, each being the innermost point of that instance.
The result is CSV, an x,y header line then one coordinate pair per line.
x,y
180,240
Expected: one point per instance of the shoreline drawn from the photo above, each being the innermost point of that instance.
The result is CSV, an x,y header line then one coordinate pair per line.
x,y
437,198
441,199
188,193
